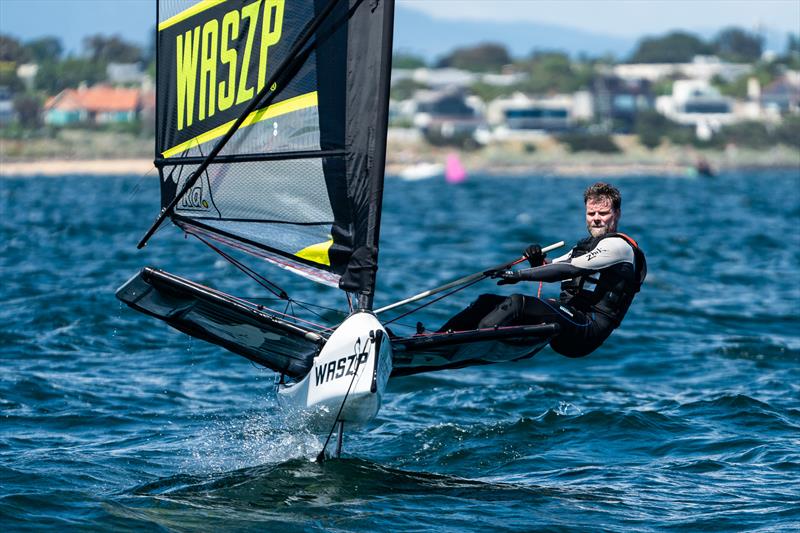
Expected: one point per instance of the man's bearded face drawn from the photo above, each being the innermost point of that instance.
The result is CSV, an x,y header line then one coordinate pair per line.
x,y
601,217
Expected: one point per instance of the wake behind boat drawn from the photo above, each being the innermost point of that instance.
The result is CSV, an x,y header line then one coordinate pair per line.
x,y
271,142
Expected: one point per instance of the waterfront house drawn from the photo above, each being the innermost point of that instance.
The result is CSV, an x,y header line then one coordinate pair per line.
x,y
100,104
125,74
520,114
618,101
783,95
448,115
7,113
701,68
697,103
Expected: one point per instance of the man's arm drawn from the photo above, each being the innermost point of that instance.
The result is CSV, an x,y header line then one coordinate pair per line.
x,y
561,258
548,273
607,253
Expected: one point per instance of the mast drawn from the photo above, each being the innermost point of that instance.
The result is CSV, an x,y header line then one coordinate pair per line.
x,y
378,170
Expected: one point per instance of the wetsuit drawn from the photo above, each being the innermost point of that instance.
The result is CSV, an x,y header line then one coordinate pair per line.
x,y
600,276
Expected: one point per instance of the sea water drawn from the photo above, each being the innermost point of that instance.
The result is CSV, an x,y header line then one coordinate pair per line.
x,y
687,418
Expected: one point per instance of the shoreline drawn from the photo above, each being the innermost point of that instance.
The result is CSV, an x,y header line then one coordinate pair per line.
x,y
568,165
87,153
85,167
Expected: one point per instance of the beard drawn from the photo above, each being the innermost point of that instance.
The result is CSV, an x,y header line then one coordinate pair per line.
x,y
598,231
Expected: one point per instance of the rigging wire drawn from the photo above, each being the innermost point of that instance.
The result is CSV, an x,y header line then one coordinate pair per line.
x,y
468,283
138,184
267,284
302,305
445,295
321,455
261,280
305,306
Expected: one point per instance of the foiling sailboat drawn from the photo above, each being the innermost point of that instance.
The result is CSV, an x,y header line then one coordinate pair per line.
x,y
270,144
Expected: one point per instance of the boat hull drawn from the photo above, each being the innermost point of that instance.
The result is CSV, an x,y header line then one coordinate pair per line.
x,y
348,377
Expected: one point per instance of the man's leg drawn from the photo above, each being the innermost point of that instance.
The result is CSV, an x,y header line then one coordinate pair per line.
x,y
504,314
576,338
468,318
518,310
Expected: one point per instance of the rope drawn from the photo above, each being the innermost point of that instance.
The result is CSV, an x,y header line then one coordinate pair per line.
x,y
267,284
261,280
468,284
321,455
445,295
305,306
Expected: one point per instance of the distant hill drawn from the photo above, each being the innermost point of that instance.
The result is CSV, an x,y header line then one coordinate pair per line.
x,y
432,38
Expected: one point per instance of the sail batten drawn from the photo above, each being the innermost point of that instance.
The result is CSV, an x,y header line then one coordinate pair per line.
x,y
304,101
245,158
299,176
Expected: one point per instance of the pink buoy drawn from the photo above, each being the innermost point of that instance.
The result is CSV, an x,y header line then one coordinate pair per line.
x,y
454,171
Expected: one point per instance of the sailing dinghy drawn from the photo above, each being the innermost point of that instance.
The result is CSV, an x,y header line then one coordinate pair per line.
x,y
271,144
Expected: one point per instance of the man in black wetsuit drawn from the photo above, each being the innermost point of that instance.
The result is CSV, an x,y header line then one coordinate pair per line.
x,y
599,278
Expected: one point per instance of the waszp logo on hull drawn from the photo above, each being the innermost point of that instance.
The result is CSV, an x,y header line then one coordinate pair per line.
x,y
343,366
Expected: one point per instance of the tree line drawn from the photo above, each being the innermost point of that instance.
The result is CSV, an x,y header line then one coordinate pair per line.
x,y
57,70
546,72
732,44
555,71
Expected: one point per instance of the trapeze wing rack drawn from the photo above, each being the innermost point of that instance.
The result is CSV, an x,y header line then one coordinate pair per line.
x,y
433,351
237,325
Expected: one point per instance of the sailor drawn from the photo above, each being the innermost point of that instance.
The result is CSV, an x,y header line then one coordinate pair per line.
x,y
599,278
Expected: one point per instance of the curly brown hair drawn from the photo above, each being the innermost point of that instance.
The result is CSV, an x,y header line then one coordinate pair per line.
x,y
603,190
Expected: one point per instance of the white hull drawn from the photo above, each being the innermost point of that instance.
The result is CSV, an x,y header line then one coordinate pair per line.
x,y
421,171
349,366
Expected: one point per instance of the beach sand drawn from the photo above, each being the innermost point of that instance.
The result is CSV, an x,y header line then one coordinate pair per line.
x,y
92,167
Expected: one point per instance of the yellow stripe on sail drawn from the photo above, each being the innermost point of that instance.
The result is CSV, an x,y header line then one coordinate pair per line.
x,y
317,253
187,13
304,101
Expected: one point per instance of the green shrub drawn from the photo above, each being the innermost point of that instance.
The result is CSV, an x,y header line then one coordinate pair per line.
x,y
683,135
788,132
750,134
650,127
584,142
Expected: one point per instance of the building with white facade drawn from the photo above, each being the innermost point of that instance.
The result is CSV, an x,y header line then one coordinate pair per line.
x,y
701,68
696,103
549,113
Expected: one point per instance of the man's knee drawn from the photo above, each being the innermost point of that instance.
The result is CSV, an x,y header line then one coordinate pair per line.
x,y
510,309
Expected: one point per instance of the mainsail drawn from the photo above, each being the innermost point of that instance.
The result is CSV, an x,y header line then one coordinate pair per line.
x,y
271,139
300,181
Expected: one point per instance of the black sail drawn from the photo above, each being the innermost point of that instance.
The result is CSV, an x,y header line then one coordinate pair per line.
x,y
300,182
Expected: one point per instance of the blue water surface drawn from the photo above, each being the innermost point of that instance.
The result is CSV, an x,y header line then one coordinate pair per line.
x,y
688,418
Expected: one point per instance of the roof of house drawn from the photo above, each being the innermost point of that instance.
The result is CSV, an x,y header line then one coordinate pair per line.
x,y
782,88
100,98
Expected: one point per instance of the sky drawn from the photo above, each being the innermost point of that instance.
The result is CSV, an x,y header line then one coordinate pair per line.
x,y
71,20
623,18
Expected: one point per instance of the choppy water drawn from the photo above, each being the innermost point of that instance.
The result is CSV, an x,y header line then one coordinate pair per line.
x,y
688,418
